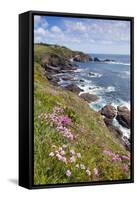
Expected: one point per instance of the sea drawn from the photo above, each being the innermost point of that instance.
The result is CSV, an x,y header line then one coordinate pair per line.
x,y
110,81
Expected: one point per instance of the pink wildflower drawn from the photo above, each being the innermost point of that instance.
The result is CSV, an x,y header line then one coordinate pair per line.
x,y
72,152
62,152
68,173
107,152
125,167
125,158
88,172
65,120
72,159
64,159
116,157
59,156
95,170
78,155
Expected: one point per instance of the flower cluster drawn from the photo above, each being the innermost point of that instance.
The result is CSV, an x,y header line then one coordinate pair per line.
x,y
59,153
64,153
61,122
116,157
70,157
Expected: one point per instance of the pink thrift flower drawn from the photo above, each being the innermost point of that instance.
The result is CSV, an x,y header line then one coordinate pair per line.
x,y
62,152
65,120
64,159
107,152
95,170
116,157
88,172
68,173
72,152
51,154
125,158
125,167
59,157
78,155
72,159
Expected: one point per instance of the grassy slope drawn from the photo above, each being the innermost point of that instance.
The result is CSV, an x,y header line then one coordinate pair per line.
x,y
41,50
91,137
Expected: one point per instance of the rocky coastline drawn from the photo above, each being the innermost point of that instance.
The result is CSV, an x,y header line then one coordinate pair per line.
x,y
63,66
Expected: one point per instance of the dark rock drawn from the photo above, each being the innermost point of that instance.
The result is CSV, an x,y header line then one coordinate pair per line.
x,y
123,116
89,97
122,109
73,88
108,122
108,60
81,80
57,63
108,111
52,69
81,57
66,78
117,133
96,59
127,143
92,74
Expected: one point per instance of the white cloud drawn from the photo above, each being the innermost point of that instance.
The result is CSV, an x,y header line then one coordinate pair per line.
x,y
40,22
82,33
56,29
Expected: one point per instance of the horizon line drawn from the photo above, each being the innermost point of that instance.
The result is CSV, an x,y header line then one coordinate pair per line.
x,y
44,43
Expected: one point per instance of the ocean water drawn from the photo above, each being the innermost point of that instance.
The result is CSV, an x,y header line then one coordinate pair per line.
x,y
110,81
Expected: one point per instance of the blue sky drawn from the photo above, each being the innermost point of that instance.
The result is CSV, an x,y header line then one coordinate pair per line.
x,y
88,35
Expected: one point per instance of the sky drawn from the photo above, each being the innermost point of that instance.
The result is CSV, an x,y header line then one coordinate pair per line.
x,y
87,35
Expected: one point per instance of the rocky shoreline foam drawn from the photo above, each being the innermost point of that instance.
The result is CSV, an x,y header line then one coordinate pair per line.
x,y
62,68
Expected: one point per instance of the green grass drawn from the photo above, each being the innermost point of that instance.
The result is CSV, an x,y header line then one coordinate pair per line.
x,y
91,137
41,50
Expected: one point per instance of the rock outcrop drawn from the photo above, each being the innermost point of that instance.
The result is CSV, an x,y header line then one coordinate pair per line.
x,y
123,116
89,97
81,57
109,111
96,59
73,88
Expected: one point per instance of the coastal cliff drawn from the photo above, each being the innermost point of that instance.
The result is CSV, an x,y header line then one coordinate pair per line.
x,y
71,141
